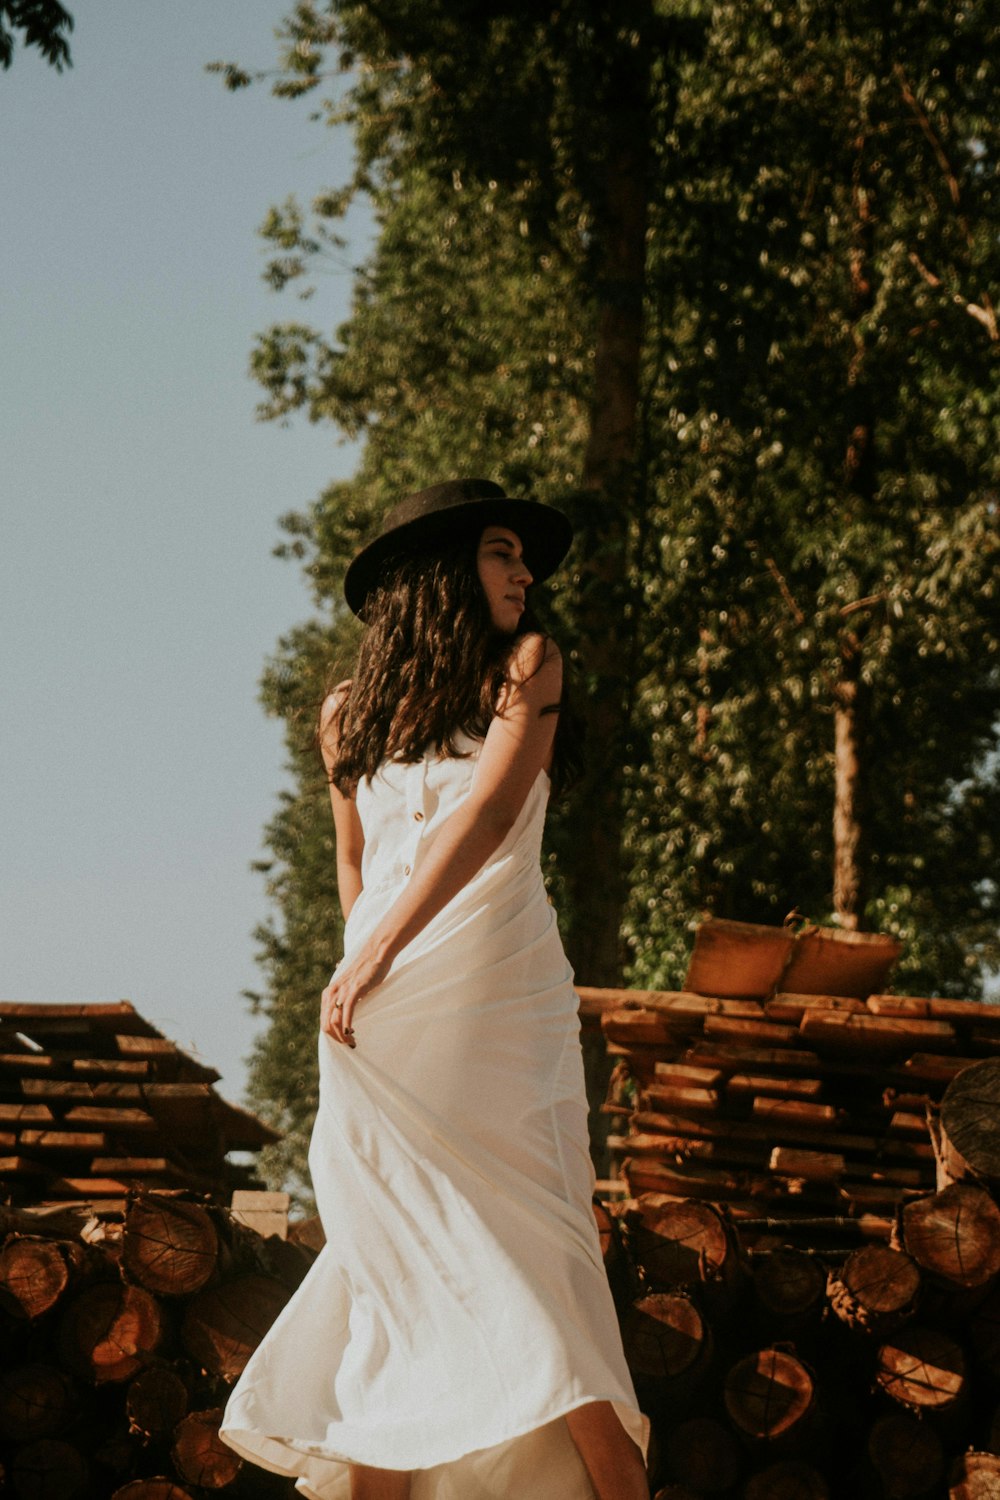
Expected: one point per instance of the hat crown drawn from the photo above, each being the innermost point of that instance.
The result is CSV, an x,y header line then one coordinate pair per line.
x,y
440,497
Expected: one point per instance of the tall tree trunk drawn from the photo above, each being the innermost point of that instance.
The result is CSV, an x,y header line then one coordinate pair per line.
x,y
595,878
850,853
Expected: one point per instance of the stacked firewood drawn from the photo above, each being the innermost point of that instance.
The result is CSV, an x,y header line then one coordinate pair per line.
x,y
121,1343
800,1106
813,1354
94,1100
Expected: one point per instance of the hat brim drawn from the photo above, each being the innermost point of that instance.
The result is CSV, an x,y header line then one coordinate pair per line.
x,y
544,533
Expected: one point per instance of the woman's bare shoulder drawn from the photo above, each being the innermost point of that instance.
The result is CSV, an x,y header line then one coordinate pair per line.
x,y
532,654
333,703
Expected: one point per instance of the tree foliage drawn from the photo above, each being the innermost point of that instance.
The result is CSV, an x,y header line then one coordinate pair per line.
x,y
790,567
43,24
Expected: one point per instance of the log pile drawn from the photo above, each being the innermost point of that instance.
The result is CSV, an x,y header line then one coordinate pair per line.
x,y
808,1107
807,1261
95,1101
121,1342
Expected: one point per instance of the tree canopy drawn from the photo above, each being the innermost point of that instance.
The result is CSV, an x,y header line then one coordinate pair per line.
x,y
717,281
42,24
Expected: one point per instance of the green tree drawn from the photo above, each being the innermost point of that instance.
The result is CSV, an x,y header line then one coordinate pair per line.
x,y
43,24
782,459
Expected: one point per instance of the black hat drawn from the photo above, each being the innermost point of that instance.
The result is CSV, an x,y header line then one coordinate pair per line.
x,y
448,510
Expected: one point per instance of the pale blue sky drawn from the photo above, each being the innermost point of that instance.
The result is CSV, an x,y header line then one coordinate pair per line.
x,y
139,501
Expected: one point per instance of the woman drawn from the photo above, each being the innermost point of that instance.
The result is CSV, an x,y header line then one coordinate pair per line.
x,y
456,1339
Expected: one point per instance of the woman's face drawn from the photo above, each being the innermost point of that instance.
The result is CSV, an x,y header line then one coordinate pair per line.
x,y
503,575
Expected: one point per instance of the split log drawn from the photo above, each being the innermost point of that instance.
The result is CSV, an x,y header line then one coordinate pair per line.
x,y
224,1324
974,1476
703,1455
36,1401
199,1454
907,1455
109,1331
970,1120
156,1401
666,1339
789,1286
954,1235
49,1469
876,1290
169,1246
922,1370
791,1480
686,1243
769,1395
35,1273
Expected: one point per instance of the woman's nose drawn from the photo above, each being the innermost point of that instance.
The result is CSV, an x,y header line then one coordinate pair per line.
x,y
522,572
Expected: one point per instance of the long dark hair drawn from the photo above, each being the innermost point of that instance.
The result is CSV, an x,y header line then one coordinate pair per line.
x,y
431,666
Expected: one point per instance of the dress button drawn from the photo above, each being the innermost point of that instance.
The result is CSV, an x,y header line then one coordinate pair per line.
x,y
418,817
406,869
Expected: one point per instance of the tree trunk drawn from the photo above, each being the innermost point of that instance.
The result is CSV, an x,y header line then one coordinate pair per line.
x,y
595,878
850,852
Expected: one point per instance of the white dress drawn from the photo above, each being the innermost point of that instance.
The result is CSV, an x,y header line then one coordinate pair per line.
x,y
460,1306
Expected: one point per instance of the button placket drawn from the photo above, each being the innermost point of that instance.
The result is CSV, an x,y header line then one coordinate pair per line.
x,y
415,813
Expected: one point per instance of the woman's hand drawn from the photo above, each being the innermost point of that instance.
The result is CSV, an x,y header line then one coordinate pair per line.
x,y
349,985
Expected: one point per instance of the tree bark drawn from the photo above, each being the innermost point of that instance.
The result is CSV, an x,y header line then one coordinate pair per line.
x,y
850,847
595,877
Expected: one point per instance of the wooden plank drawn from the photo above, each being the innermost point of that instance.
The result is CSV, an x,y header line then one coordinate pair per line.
x,y
786,1007
898,1005
98,1014
20,1166
733,1057
928,1067
869,1033
62,1140
753,1033
19,1063
26,1114
687,1073
747,1085
811,1166
797,1112
86,1187
110,1067
64,1089
110,1117
680,1098
629,1027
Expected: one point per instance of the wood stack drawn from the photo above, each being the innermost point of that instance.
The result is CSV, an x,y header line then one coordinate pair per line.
x,y
121,1343
804,1106
807,1264
95,1101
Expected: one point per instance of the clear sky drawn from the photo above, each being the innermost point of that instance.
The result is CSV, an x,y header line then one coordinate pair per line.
x,y
139,503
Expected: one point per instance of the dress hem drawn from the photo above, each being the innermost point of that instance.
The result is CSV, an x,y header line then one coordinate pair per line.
x,y
301,1448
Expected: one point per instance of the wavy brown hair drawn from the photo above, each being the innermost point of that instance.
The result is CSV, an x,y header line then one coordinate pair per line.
x,y
431,666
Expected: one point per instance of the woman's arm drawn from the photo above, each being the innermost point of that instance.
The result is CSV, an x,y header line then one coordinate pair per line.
x,y
517,746
347,824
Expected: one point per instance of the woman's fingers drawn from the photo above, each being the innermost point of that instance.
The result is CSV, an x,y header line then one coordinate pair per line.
x,y
332,1013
